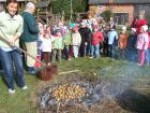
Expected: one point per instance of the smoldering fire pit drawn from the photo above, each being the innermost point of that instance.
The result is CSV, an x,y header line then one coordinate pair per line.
x,y
77,94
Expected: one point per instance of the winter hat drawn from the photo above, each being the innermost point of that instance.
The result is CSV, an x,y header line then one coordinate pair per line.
x,y
133,29
124,28
65,27
71,25
40,24
75,28
145,27
60,24
58,29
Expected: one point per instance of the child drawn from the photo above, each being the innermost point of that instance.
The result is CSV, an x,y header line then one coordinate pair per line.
x,y
142,44
46,45
67,43
39,42
76,41
97,38
105,43
57,45
112,42
122,43
131,50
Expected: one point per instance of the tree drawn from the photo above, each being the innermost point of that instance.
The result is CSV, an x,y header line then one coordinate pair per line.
x,y
61,6
106,15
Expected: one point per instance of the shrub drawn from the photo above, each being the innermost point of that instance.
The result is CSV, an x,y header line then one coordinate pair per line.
x,y
106,15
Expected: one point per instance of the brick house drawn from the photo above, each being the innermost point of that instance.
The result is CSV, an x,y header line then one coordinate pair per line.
x,y
124,10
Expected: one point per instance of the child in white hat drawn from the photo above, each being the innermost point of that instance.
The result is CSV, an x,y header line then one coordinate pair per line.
x,y
142,44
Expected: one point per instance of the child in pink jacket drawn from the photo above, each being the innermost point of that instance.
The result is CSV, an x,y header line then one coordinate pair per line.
x,y
142,44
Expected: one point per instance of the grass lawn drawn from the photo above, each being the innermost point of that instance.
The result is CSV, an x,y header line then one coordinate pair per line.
x,y
92,69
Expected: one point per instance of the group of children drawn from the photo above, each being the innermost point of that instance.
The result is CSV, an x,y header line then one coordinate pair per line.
x,y
130,45
55,43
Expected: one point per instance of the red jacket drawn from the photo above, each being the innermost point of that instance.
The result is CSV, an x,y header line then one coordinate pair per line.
x,y
97,37
139,23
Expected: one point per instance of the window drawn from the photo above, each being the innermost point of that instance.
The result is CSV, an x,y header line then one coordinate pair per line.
x,y
121,18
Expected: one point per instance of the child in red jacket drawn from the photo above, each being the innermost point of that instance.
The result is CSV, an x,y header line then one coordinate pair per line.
x,y
97,38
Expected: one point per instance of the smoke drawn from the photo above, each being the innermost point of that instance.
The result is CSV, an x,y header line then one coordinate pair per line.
x,y
124,86
115,84
121,77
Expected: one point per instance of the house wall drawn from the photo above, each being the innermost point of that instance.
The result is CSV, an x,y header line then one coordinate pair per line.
x,y
127,8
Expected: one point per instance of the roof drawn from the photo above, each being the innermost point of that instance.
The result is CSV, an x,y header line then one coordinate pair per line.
x,y
96,2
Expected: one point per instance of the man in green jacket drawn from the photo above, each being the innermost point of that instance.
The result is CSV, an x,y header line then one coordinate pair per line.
x,y
30,35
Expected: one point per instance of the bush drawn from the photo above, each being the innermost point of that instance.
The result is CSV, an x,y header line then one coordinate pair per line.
x,y
106,15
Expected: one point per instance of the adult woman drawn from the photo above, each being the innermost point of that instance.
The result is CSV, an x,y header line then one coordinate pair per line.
x,y
11,27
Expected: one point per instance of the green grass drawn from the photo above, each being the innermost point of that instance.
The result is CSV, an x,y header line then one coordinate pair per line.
x,y
21,101
110,69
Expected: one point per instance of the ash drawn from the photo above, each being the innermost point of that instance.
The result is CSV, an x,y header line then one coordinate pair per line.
x,y
95,92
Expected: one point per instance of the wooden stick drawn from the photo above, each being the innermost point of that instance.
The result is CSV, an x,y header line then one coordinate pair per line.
x,y
58,107
66,72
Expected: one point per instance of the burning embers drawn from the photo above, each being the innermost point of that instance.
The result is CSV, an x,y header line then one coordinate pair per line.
x,y
68,92
71,94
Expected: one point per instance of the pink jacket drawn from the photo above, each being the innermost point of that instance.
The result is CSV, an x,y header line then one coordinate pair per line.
x,y
142,41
